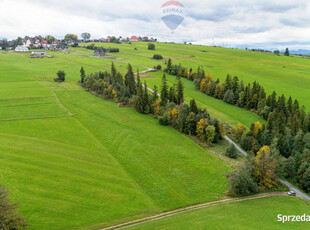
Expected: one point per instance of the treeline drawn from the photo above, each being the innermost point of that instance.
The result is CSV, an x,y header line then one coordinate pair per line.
x,y
167,105
110,49
288,124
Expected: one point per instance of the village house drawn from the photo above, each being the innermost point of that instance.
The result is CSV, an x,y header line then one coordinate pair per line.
x,y
35,42
134,39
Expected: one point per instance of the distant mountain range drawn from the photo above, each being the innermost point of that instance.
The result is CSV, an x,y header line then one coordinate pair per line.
x,y
300,51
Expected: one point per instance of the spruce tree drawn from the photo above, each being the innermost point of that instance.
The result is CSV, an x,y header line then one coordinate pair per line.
x,y
82,71
169,66
130,80
235,84
146,100
113,72
228,83
180,91
287,52
155,94
139,102
193,106
164,91
171,95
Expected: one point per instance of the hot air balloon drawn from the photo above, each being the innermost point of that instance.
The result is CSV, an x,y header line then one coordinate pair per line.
x,y
173,12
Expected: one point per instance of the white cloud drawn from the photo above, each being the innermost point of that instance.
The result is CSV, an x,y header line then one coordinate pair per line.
x,y
225,22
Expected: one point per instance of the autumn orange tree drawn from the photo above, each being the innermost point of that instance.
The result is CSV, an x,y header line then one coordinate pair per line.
x,y
201,129
266,167
240,130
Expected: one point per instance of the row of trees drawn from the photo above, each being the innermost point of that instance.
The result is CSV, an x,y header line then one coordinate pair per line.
x,y
110,49
168,105
288,124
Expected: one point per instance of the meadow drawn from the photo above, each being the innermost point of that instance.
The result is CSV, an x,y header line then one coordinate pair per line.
x,y
285,75
107,164
248,214
102,166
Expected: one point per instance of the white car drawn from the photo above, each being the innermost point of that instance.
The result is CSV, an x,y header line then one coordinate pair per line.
x,y
291,193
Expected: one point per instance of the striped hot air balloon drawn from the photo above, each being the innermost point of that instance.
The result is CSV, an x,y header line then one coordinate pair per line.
x,y
173,12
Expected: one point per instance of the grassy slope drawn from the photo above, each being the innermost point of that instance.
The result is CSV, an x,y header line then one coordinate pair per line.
x,y
249,214
288,75
102,166
88,128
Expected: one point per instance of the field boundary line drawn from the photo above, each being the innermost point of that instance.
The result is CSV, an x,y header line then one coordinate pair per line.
x,y
64,108
21,98
32,118
191,208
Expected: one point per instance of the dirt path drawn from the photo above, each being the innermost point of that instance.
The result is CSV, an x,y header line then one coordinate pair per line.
x,y
191,208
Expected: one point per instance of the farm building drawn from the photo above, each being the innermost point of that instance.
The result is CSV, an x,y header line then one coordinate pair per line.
x,y
21,48
39,53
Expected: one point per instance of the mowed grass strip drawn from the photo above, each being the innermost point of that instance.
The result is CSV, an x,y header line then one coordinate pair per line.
x,y
172,169
24,108
249,214
61,186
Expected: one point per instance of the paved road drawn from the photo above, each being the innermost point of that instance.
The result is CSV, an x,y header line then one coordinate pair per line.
x,y
191,208
298,192
237,146
289,185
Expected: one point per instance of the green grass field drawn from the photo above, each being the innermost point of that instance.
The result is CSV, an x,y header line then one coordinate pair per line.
x,y
288,75
102,166
106,164
25,108
249,214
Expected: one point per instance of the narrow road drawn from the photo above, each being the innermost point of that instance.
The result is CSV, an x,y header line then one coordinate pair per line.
x,y
191,208
286,183
298,192
237,146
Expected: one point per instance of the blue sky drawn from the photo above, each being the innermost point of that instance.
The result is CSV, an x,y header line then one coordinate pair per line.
x,y
233,23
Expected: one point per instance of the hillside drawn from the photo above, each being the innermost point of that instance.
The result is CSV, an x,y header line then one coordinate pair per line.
x,y
101,166
288,75
107,164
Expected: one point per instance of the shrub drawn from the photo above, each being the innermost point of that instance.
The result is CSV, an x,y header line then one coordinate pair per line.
x,y
241,181
163,120
151,46
157,57
9,217
61,76
91,47
113,50
157,67
231,151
